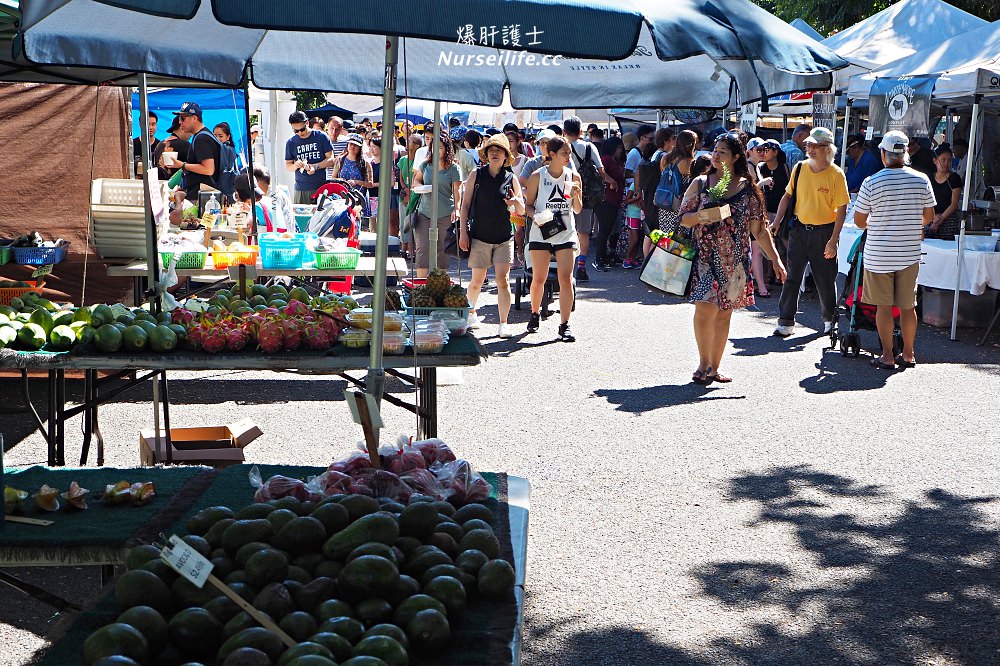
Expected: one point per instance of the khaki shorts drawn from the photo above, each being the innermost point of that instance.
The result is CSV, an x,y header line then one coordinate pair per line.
x,y
898,288
586,221
482,255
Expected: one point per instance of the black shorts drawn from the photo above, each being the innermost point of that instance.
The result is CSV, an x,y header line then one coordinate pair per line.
x,y
541,245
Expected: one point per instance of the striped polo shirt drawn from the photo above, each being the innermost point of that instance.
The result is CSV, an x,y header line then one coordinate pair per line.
x,y
894,200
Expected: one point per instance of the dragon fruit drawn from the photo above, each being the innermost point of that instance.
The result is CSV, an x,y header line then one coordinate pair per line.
x,y
214,340
196,334
181,316
270,336
236,339
296,309
315,337
330,326
292,334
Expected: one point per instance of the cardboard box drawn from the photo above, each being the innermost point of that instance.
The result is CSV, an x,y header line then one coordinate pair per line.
x,y
715,214
217,446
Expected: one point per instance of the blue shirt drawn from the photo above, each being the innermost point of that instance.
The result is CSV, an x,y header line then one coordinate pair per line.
x,y
312,150
867,165
793,154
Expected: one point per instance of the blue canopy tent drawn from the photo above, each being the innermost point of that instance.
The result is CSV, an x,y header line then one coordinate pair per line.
x,y
327,111
219,105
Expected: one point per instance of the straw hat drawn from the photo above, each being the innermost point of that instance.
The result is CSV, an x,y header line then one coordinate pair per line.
x,y
497,140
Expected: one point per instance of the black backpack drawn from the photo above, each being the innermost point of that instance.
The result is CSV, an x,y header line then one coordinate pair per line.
x,y
593,185
227,169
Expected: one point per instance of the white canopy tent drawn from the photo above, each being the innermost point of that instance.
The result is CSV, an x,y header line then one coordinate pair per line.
x,y
968,69
896,32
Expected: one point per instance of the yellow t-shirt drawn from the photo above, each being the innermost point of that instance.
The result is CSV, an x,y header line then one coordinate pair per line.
x,y
820,194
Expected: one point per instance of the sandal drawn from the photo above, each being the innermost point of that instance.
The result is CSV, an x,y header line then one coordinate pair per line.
x,y
701,377
878,364
722,379
765,294
902,363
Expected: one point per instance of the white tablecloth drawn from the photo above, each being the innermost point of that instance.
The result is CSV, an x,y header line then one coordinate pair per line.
x,y
939,264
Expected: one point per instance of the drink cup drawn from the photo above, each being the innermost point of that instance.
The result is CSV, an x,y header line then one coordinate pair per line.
x,y
169,158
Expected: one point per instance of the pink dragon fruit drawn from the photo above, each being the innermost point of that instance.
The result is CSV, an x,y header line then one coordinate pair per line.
x,y
236,339
181,316
292,334
270,336
330,326
195,334
214,340
315,337
296,309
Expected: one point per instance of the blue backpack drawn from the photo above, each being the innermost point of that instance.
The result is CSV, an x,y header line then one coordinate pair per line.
x,y
228,168
669,190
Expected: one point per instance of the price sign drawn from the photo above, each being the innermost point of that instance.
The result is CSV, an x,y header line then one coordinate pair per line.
x,y
208,220
869,133
186,561
42,270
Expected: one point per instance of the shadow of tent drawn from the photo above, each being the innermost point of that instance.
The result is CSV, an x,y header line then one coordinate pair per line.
x,y
837,373
762,346
648,398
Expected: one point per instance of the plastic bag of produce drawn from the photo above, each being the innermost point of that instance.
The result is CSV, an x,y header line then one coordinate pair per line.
x,y
383,483
352,463
332,483
279,486
403,460
424,482
434,451
466,483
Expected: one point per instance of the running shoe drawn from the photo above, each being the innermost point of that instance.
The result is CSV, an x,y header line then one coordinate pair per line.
x,y
783,331
504,331
599,266
533,322
565,334
581,273
473,320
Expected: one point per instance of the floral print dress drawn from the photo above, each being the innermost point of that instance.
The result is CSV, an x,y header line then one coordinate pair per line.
x,y
721,270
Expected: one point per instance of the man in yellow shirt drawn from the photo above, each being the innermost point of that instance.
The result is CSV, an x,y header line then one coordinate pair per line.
x,y
820,208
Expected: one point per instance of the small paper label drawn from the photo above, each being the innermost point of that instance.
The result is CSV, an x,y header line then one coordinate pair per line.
x,y
373,413
42,270
208,220
186,561
234,273
869,133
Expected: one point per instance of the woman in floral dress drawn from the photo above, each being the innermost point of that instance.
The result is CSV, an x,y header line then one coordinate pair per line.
x,y
720,276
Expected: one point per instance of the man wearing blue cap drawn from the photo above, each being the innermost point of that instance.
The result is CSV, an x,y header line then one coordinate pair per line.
x,y
205,152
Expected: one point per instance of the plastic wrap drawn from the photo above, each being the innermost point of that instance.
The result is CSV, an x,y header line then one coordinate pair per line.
x,y
356,461
403,460
279,486
382,483
465,483
424,482
333,483
434,451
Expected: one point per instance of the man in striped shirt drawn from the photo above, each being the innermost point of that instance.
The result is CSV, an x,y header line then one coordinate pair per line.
x,y
893,205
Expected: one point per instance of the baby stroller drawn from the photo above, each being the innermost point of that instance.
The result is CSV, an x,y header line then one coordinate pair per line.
x,y
859,315
522,286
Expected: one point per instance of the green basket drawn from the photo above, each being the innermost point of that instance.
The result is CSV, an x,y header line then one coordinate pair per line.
x,y
188,260
340,260
5,254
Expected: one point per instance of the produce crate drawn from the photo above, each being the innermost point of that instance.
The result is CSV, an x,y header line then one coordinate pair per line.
x,y
9,293
190,260
343,260
460,313
39,256
225,259
277,252
6,252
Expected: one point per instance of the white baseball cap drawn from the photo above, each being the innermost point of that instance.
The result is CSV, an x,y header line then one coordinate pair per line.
x,y
821,136
894,142
545,135
254,128
753,143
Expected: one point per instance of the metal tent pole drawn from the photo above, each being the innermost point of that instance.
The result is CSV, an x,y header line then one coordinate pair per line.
x,y
249,145
847,127
432,232
966,197
375,380
152,257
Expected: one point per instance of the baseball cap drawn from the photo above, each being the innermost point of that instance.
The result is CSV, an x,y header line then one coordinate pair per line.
x,y
254,128
545,135
458,133
348,125
772,143
356,139
821,136
754,143
894,142
189,109
490,131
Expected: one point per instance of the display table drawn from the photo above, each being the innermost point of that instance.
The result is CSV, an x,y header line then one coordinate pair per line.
x,y
395,267
939,264
461,351
489,633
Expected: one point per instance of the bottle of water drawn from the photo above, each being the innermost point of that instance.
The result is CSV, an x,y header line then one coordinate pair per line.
x,y
213,207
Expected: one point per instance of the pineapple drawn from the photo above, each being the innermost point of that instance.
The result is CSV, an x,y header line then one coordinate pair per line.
x,y
455,298
438,283
392,301
421,298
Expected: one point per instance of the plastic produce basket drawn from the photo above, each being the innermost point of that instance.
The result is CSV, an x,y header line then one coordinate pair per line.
x,y
225,259
277,252
9,293
342,260
460,313
40,256
6,252
189,260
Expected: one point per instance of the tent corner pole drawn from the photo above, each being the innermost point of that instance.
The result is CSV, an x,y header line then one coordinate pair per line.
x,y
432,232
152,263
966,199
375,379
847,128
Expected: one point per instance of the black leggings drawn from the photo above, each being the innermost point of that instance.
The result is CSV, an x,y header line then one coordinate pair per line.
x,y
606,213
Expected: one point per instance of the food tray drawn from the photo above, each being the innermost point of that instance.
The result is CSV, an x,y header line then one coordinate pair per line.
x,y
226,258
342,260
9,293
40,256
188,260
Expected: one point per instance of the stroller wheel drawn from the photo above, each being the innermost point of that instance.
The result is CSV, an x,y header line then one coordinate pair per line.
x,y
842,339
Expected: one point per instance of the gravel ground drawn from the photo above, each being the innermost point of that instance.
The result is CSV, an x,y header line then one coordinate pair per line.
x,y
814,511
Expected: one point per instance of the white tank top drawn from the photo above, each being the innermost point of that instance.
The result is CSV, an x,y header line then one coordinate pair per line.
x,y
552,196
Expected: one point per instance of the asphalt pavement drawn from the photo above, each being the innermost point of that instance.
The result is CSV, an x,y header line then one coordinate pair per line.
x,y
814,511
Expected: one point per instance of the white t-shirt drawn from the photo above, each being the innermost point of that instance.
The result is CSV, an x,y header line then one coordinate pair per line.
x,y
551,196
894,200
579,150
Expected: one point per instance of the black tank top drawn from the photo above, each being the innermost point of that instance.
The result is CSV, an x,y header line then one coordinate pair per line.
x,y
490,218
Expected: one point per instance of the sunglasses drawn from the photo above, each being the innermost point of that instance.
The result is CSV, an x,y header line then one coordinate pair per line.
x,y
763,149
300,129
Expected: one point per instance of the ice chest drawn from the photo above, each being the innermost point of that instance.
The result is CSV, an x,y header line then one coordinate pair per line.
x,y
973,311
218,446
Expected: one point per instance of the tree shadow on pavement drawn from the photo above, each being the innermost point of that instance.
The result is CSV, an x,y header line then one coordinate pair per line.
x,y
649,398
923,585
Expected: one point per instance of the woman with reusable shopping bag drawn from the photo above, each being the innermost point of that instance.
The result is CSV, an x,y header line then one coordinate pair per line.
x,y
492,194
449,198
720,275
554,198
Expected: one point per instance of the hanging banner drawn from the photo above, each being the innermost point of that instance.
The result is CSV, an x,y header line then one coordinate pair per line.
x,y
748,118
901,104
825,111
